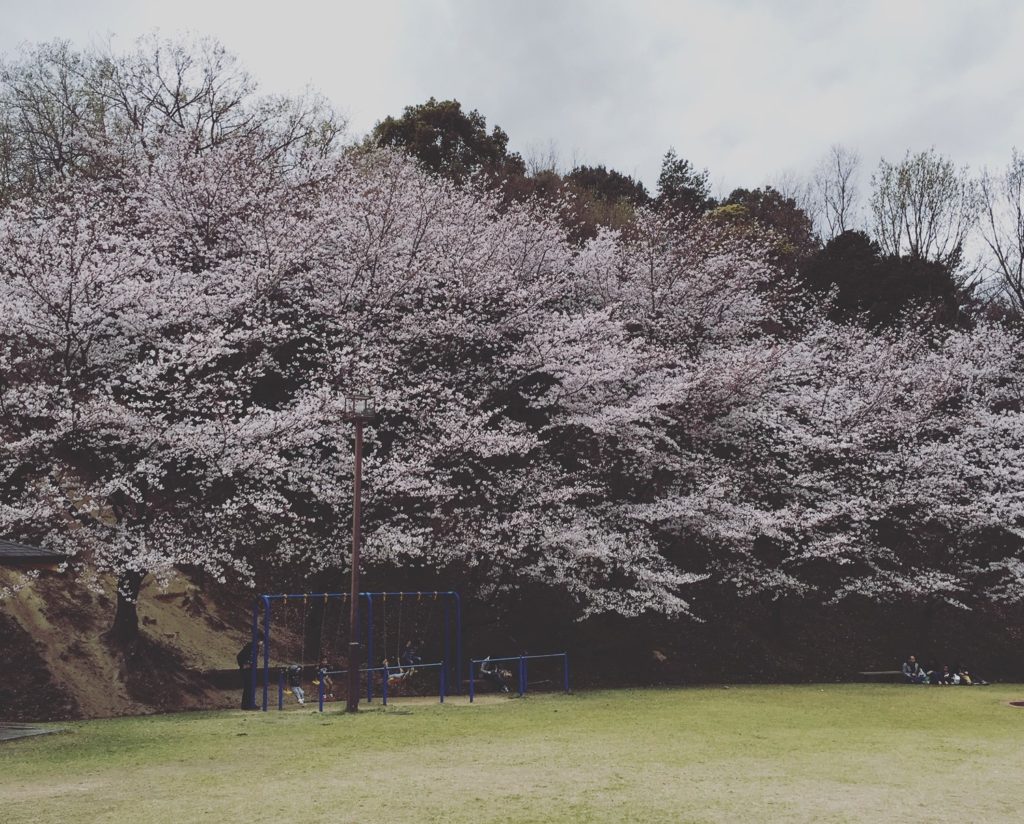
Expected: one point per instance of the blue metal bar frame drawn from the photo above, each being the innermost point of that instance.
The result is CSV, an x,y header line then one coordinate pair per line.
x,y
389,669
266,650
369,647
522,659
292,596
266,600
517,657
458,643
384,681
446,652
450,595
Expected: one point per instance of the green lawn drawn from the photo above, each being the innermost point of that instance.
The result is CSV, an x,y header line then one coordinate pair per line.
x,y
808,753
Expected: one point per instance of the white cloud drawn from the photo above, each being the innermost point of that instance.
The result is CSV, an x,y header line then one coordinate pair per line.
x,y
746,89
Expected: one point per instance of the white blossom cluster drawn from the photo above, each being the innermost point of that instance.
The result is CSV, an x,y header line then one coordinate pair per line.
x,y
621,421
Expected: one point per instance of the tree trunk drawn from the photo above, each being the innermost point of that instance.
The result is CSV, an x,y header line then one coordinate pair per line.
x,y
125,629
927,621
778,618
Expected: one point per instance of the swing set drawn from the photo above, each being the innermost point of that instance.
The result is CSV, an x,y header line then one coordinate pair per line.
x,y
298,616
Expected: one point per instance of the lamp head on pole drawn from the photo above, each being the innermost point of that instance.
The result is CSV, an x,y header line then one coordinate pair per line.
x,y
360,407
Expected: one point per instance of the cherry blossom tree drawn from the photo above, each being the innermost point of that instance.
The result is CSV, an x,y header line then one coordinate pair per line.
x,y
122,422
618,421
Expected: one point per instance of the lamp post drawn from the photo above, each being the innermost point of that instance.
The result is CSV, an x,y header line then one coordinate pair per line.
x,y
359,409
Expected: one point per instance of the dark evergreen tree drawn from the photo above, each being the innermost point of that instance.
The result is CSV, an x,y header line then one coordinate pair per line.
x,y
681,188
609,185
449,141
783,216
883,288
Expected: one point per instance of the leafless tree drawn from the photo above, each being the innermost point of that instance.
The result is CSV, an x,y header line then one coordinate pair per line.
x,y
923,208
61,110
45,116
793,186
835,193
1002,227
540,159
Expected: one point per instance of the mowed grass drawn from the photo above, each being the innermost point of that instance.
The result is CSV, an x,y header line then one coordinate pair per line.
x,y
825,753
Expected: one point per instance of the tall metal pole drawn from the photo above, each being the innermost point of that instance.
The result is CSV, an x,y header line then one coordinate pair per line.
x,y
352,704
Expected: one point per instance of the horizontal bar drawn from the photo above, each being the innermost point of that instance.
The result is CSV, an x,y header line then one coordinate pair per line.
x,y
517,657
396,668
309,595
427,593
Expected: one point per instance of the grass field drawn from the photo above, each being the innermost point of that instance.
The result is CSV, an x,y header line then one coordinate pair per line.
x,y
826,753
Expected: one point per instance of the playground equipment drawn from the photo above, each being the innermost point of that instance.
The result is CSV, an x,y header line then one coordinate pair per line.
x,y
520,670
374,620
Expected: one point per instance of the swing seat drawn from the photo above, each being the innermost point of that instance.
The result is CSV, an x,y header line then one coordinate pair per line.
x,y
397,681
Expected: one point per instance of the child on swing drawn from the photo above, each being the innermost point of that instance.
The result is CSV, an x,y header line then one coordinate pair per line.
x,y
396,676
294,676
489,672
411,655
323,678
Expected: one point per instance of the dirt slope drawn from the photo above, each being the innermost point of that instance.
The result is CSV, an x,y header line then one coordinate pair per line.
x,y
55,663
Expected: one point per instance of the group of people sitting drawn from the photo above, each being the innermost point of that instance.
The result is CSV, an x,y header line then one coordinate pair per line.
x,y
914,673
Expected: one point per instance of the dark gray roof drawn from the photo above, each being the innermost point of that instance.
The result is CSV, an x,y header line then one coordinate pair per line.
x,y
11,551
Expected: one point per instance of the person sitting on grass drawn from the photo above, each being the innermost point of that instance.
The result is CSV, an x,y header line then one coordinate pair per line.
x,y
489,672
946,678
968,680
912,671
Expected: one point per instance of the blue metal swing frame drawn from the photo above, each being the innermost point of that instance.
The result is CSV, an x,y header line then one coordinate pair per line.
x,y
521,661
451,599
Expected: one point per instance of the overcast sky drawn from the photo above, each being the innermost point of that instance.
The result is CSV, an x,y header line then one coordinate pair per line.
x,y
747,89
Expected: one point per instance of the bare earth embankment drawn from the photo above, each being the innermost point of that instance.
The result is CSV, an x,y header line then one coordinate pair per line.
x,y
57,664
